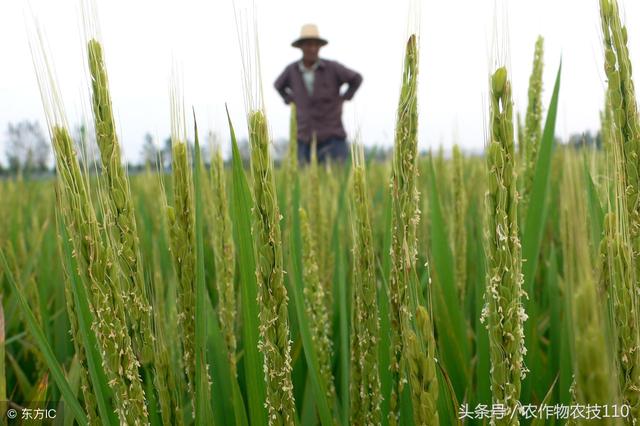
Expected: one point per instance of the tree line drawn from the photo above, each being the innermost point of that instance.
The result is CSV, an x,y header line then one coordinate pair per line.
x,y
28,149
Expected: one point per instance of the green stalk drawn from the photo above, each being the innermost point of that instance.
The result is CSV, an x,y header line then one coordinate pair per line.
x,y
224,257
459,229
405,215
593,372
103,279
119,208
204,415
533,125
365,394
319,211
625,134
242,204
3,376
45,348
422,370
272,293
90,402
164,381
168,373
97,267
619,274
412,346
447,308
522,148
182,224
341,309
532,238
292,158
182,231
317,312
317,380
291,174
504,293
98,397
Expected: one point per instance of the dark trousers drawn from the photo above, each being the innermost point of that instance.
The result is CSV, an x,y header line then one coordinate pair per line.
x,y
336,150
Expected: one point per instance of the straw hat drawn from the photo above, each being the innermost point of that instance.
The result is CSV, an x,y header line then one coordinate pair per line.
x,y
309,32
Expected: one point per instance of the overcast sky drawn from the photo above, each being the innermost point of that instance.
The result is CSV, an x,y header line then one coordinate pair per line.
x,y
142,38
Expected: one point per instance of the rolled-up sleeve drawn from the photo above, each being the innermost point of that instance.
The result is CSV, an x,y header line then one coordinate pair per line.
x,y
350,77
282,85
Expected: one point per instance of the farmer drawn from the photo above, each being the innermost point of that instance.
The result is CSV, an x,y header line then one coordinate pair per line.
x,y
314,84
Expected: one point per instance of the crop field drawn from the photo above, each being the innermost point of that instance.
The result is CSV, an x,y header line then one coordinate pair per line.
x,y
493,289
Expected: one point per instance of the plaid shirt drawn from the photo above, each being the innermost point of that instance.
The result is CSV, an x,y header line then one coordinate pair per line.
x,y
320,111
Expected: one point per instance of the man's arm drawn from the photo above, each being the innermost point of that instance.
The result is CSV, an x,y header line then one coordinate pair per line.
x,y
349,76
282,86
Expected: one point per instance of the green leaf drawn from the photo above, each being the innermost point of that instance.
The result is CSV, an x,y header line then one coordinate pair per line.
x,y
538,421
447,401
224,382
449,317
406,407
344,317
295,247
3,376
308,405
384,353
341,308
482,394
97,375
533,232
596,214
152,400
242,203
556,309
340,288
43,345
23,381
566,358
73,376
532,237
204,416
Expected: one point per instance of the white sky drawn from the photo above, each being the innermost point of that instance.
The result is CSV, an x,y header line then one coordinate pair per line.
x,y
141,39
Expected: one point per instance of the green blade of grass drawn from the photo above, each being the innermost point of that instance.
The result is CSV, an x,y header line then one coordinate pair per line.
x,y
555,313
308,406
343,321
340,288
152,400
448,312
566,359
203,409
539,421
596,214
299,373
406,407
532,238
38,397
3,377
226,384
239,410
97,375
21,377
43,345
62,346
73,376
533,232
482,391
383,303
242,204
295,245
447,401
